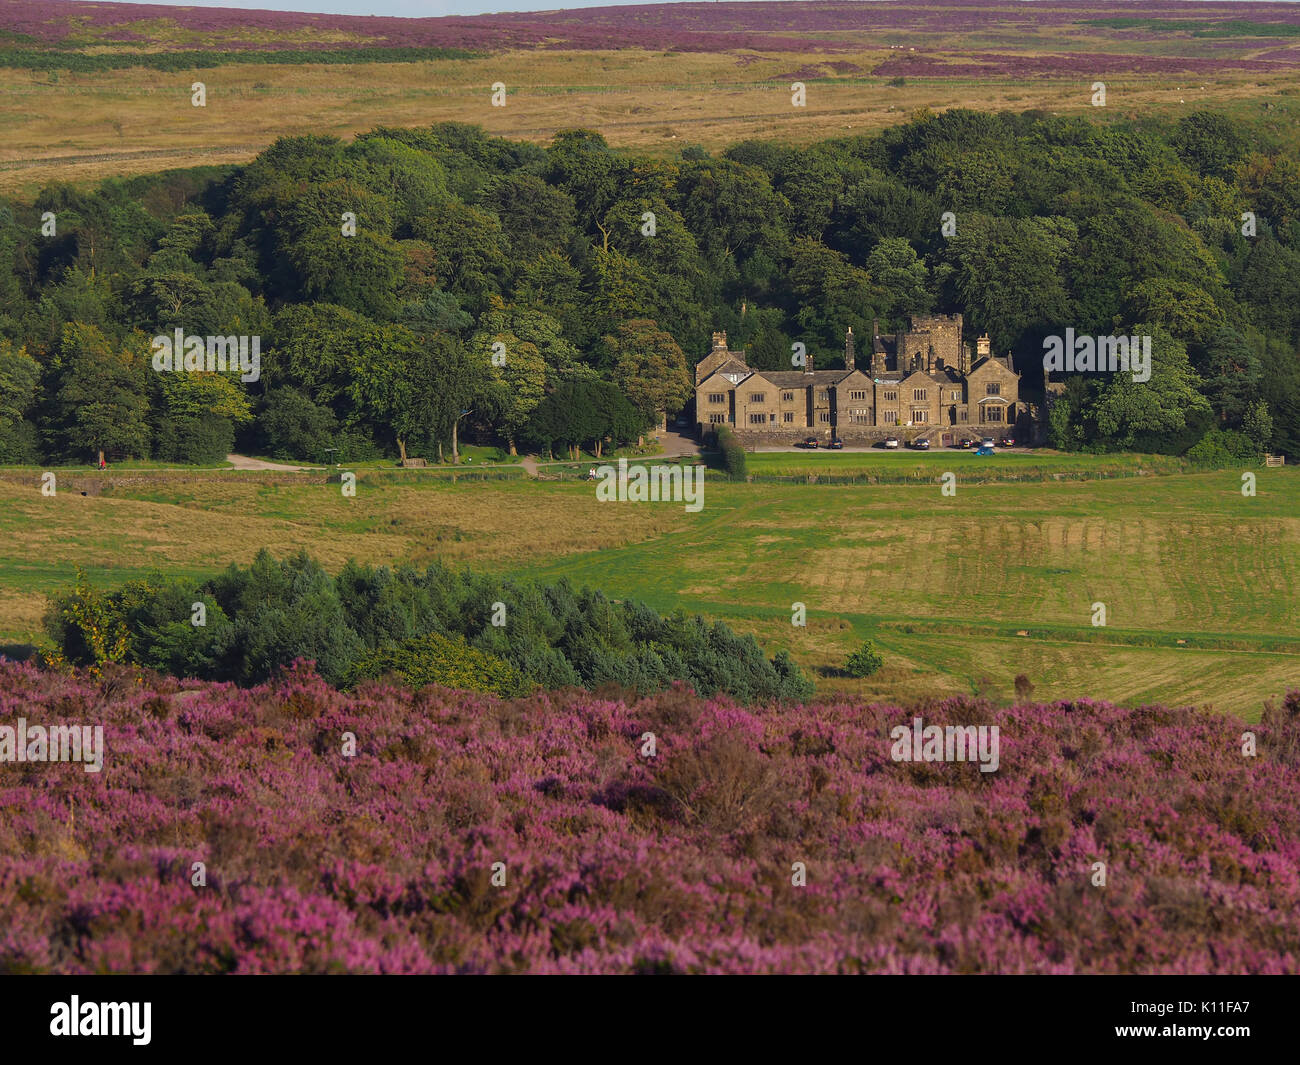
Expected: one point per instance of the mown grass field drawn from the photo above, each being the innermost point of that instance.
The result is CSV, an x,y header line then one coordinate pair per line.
x,y
927,466
1176,557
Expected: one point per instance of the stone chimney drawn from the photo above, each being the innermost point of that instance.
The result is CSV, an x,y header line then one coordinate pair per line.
x,y
719,341
848,350
808,364
877,361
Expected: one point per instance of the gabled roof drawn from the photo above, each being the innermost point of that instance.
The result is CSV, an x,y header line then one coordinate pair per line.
x,y
732,366
993,360
921,373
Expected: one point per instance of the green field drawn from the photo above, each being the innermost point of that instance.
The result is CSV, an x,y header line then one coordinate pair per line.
x,y
905,466
944,584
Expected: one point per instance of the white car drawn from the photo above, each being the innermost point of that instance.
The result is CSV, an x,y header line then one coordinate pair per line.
x,y
987,442
891,441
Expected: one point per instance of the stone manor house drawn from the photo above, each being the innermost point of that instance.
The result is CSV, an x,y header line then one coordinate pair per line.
x,y
922,382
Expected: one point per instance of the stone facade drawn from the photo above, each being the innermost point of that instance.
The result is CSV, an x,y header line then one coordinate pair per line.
x,y
924,381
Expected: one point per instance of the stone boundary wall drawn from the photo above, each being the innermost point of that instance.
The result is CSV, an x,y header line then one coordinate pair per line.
x,y
93,483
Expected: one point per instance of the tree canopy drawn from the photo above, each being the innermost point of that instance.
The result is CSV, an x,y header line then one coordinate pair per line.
x,y
384,277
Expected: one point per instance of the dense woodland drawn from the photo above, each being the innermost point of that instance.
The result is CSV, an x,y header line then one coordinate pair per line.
x,y
377,343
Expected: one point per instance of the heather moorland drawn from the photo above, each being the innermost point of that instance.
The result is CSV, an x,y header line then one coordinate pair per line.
x,y
689,27
314,859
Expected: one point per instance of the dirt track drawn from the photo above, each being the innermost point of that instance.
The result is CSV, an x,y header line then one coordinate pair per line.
x,y
243,462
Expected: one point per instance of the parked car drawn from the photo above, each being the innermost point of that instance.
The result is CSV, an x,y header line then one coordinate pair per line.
x,y
836,445
810,442
683,422
967,444
921,443
891,441
987,442
985,450
1008,441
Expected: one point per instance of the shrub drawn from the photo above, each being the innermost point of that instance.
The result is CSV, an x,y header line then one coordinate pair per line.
x,y
281,611
437,659
723,783
1283,725
160,614
1223,447
864,661
88,626
733,455
355,446
196,441
291,426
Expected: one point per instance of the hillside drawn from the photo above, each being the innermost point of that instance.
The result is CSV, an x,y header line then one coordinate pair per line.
x,y
688,27
317,861
653,77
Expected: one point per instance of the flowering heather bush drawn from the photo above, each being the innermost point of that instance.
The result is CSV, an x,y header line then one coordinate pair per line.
x,y
616,862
